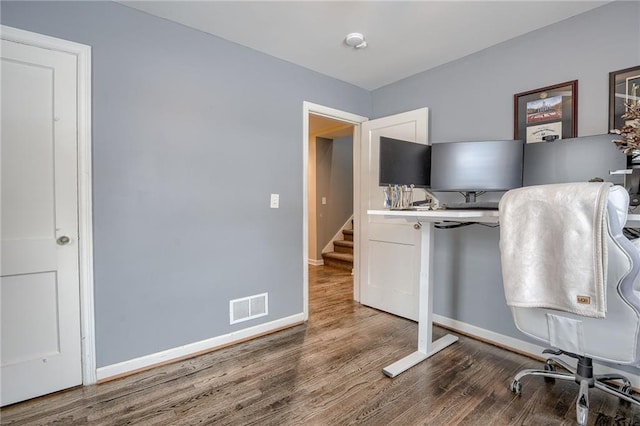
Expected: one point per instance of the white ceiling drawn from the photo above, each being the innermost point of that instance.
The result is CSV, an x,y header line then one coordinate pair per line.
x,y
404,37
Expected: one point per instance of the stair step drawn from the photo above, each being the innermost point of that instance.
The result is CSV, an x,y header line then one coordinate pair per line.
x,y
338,260
348,234
343,243
342,246
339,256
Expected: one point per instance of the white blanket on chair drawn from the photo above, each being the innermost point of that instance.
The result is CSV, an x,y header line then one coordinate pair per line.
x,y
555,257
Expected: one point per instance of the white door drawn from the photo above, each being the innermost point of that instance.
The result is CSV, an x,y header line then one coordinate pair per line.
x,y
390,248
39,287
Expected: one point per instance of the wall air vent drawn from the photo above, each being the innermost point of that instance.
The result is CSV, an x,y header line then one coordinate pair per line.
x,y
248,308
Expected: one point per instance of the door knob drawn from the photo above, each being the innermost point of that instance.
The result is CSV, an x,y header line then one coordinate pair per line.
x,y
63,240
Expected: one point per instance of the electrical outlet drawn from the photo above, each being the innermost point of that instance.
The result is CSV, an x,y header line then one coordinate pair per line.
x,y
275,201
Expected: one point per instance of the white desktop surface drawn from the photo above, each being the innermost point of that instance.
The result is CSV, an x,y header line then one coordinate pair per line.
x,y
427,347
633,220
484,216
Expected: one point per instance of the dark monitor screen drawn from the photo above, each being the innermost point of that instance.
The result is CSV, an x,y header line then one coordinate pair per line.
x,y
573,160
404,163
477,166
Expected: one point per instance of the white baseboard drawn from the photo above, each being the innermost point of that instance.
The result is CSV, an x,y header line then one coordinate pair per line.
x,y
143,362
520,345
315,262
517,345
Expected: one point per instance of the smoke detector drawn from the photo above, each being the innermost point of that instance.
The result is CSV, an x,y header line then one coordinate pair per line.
x,y
355,40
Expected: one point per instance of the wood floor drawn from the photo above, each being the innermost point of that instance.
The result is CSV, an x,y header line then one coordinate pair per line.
x,y
327,372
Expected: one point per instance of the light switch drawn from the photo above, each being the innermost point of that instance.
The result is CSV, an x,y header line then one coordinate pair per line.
x,y
324,200
275,201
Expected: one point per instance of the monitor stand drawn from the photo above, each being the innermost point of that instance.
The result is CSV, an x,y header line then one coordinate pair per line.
x,y
470,203
470,197
632,183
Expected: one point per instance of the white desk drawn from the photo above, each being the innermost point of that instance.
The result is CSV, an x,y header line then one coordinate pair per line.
x,y
426,345
633,220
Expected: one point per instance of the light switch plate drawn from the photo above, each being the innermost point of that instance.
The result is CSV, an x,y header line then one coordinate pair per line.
x,y
275,201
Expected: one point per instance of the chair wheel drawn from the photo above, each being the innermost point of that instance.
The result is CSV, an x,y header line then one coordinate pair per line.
x,y
582,415
625,389
516,387
549,366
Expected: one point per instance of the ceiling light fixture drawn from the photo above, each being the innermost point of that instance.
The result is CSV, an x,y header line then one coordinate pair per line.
x,y
355,40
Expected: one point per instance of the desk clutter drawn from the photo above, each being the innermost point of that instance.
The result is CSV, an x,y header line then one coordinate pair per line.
x,y
398,197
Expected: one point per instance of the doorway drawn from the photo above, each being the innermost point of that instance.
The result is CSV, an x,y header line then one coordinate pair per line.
x,y
323,121
330,185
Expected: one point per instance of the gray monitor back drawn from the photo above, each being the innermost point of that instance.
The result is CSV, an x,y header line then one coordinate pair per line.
x,y
476,166
573,160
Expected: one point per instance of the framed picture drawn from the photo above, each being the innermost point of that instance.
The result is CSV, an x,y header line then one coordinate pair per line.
x,y
624,87
546,114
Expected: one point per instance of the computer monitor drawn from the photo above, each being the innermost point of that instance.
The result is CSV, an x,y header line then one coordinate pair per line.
x,y
404,163
573,160
476,167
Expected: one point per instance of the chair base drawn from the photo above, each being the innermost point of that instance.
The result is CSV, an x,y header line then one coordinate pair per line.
x,y
583,375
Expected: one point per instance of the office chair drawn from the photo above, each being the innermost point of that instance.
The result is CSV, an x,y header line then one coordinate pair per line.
x,y
576,321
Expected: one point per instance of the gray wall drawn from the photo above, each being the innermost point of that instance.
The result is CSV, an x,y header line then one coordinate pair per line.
x,y
334,180
472,98
191,134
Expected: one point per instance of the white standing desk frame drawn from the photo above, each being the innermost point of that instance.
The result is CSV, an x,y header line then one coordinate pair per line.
x,y
633,220
426,346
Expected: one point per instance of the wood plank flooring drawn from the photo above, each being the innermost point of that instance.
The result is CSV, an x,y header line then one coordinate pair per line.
x,y
327,372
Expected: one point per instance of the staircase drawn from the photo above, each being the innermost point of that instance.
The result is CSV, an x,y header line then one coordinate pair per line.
x,y
342,255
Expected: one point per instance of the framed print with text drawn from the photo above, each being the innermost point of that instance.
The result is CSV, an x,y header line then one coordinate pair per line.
x,y
546,114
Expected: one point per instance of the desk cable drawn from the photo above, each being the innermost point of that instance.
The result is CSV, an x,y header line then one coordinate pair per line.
x,y
453,225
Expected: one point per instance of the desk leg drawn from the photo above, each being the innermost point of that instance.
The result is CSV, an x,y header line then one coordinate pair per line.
x,y
426,346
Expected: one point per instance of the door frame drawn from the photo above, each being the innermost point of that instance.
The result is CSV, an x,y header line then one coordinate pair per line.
x,y
85,218
356,121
